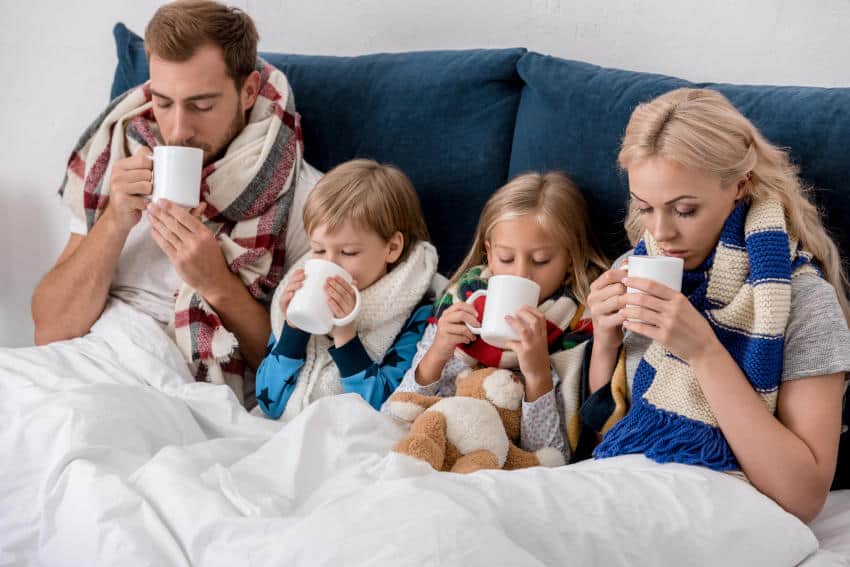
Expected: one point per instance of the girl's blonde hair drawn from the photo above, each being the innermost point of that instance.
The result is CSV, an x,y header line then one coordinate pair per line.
x,y
701,129
376,196
562,212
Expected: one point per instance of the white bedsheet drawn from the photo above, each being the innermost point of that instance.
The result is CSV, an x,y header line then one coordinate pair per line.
x,y
112,455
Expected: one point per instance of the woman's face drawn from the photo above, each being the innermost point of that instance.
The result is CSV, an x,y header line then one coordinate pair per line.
x,y
683,209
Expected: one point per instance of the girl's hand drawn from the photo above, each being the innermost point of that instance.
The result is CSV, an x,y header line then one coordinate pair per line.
x,y
296,282
668,317
452,329
532,350
341,300
605,304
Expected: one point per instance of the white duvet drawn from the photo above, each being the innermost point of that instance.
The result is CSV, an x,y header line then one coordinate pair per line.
x,y
111,455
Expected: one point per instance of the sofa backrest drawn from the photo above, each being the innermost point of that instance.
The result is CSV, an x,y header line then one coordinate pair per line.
x,y
461,123
446,118
572,116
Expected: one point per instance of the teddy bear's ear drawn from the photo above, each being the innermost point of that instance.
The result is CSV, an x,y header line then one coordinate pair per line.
x,y
503,389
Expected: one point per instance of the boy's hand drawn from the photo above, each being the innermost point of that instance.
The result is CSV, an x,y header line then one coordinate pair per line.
x,y
296,282
341,300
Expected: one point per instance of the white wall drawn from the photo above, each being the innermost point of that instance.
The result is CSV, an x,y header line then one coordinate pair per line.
x,y
57,60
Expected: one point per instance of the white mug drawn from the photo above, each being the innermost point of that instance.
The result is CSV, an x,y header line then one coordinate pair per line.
x,y
177,174
309,309
663,269
505,296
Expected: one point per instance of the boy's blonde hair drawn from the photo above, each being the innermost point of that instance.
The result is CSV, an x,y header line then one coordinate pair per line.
x,y
560,209
371,195
701,129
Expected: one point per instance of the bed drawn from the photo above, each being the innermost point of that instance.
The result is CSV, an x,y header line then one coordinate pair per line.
x,y
113,455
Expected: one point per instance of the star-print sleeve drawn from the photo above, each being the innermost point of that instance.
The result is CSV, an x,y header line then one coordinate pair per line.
x,y
543,421
376,381
279,370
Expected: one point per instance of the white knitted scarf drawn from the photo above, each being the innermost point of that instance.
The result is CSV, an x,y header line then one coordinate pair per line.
x,y
385,307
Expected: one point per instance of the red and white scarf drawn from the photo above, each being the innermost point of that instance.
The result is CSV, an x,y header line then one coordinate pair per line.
x,y
248,195
567,323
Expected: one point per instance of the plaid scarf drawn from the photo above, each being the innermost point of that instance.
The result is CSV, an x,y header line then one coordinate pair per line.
x,y
248,198
743,289
568,329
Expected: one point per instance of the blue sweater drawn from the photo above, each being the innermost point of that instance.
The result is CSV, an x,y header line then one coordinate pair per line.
x,y
375,381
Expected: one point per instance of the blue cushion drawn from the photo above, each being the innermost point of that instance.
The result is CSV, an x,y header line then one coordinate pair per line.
x,y
446,118
132,68
572,116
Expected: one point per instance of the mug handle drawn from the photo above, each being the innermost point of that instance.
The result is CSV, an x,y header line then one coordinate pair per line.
x,y
475,295
348,319
150,157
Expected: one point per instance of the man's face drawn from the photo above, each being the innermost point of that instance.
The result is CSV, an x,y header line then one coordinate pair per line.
x,y
196,103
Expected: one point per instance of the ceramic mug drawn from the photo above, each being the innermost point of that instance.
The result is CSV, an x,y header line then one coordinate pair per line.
x,y
505,296
663,269
309,310
177,174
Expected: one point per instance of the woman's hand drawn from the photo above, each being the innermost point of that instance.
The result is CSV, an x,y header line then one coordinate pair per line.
x,y
605,304
668,317
532,350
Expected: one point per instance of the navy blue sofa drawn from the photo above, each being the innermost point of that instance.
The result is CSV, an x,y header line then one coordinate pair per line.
x,y
461,123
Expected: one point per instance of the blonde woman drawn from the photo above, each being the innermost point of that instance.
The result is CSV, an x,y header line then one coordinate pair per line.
x,y
536,227
744,369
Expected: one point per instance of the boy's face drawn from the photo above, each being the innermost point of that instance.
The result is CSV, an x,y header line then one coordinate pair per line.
x,y
361,251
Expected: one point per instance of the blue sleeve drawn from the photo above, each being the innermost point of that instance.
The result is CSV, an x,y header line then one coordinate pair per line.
x,y
279,370
376,381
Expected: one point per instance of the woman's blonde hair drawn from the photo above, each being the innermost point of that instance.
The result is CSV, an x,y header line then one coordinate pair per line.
x,y
701,129
560,209
375,196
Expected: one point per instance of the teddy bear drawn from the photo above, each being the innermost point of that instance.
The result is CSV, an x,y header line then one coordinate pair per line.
x,y
476,429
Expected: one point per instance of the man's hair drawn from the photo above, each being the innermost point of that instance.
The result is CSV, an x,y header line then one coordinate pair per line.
x,y
178,29
371,195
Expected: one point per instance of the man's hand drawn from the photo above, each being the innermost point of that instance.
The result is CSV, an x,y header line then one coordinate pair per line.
x,y
129,189
189,245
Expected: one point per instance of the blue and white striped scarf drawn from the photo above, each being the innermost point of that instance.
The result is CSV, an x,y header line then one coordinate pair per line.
x,y
744,290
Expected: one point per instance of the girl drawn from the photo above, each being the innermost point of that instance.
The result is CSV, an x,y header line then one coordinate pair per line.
x,y
744,369
365,217
535,227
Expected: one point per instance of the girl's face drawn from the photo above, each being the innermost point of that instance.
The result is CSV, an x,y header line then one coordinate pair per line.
x,y
683,209
520,247
361,251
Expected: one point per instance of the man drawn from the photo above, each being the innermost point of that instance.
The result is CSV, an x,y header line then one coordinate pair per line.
x,y
204,273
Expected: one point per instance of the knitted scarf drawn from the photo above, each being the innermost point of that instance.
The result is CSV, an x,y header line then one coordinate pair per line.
x,y
743,289
248,198
385,307
566,325
568,328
